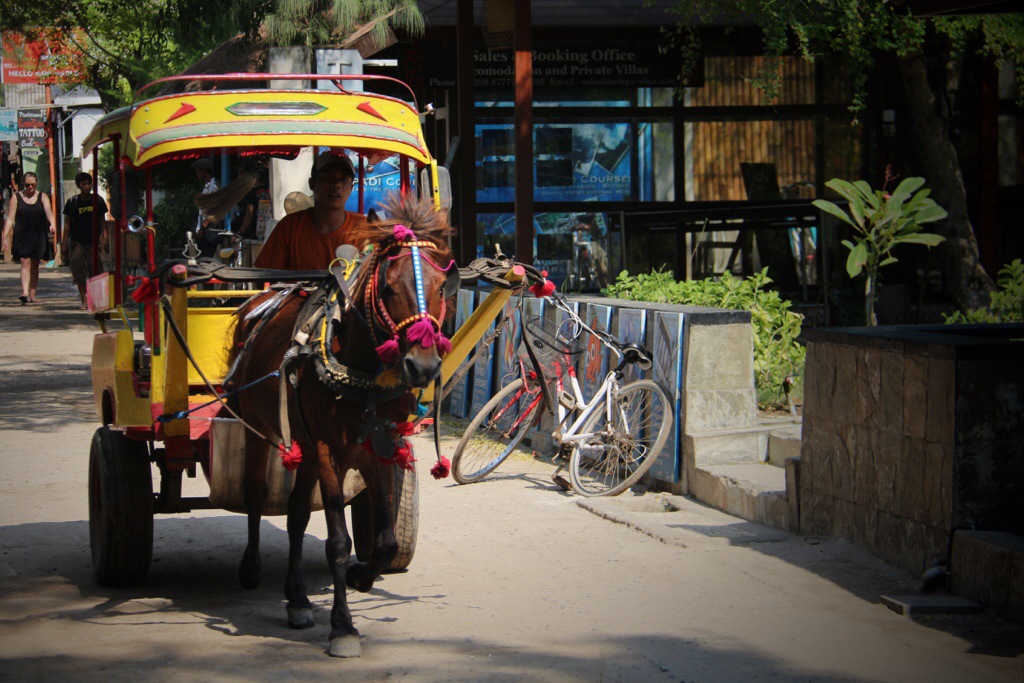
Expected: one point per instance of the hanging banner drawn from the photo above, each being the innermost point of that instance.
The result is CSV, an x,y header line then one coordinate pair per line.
x,y
31,130
8,125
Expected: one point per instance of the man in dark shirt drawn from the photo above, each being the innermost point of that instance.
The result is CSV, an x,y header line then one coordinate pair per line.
x,y
78,231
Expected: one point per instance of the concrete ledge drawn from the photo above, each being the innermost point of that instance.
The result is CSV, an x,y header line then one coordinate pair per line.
x,y
917,605
725,447
783,444
754,492
988,566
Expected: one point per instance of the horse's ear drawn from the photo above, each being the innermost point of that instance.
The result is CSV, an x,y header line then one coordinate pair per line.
x,y
452,282
372,217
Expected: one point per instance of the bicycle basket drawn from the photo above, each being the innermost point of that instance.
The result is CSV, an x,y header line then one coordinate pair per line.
x,y
551,342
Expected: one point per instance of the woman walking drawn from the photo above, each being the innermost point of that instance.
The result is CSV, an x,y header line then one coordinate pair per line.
x,y
31,218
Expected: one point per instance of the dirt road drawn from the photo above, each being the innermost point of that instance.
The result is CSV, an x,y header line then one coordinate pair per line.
x,y
511,580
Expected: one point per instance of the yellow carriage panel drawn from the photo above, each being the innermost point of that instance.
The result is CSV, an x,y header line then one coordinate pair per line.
x,y
112,364
209,339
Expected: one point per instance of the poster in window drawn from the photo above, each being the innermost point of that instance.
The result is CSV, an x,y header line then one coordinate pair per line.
x,y
573,162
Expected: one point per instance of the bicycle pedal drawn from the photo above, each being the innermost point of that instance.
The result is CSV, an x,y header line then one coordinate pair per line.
x,y
562,482
567,400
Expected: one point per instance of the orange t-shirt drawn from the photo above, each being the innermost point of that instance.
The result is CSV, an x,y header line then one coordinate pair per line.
x,y
295,245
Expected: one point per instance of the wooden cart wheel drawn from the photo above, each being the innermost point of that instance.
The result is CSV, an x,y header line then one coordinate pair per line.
x,y
120,508
406,524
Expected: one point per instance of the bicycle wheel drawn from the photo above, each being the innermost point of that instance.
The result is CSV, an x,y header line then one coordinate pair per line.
x,y
621,452
493,434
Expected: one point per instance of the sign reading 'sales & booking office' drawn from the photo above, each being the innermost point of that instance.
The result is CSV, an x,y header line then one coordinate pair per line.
x,y
640,65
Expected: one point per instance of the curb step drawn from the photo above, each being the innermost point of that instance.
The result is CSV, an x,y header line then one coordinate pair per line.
x,y
753,491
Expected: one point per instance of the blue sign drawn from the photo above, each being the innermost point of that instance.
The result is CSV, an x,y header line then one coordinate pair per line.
x,y
667,337
459,395
8,125
594,361
632,328
380,178
483,369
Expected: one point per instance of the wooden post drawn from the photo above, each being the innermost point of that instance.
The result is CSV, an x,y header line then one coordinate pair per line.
x,y
50,142
465,161
524,132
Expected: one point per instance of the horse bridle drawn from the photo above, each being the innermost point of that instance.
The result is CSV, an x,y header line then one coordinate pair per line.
x,y
422,326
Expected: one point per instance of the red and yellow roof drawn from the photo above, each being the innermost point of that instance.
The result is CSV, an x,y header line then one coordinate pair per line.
x,y
184,124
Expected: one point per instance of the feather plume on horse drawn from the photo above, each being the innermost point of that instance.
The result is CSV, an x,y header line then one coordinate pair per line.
x,y
343,399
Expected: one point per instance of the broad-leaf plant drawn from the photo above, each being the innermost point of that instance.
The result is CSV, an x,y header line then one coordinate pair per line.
x,y
880,222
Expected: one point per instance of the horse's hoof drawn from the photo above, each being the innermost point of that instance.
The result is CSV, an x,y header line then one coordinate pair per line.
x,y
345,646
300,617
358,577
250,574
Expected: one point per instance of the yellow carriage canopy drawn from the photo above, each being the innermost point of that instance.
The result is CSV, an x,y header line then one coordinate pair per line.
x,y
262,121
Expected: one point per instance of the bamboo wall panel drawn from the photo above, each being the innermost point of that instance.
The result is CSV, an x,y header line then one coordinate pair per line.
x,y
719,147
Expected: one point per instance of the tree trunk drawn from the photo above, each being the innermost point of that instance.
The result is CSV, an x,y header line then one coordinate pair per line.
x,y
968,282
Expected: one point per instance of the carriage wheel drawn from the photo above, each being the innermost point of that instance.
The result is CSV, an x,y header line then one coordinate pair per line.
x,y
120,508
406,524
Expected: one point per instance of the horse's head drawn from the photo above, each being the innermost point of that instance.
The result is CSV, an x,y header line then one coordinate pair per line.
x,y
406,289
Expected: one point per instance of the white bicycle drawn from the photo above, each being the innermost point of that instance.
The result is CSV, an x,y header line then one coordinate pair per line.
x,y
608,442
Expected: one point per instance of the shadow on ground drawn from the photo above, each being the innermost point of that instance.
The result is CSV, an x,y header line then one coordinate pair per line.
x,y
48,578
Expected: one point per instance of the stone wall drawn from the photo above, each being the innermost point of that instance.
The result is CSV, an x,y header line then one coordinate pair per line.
x,y
889,423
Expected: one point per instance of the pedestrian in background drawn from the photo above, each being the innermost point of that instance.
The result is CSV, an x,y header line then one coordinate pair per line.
x,y
29,223
207,236
77,243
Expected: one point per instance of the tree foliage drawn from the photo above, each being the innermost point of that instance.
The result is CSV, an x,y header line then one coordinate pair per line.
x,y
856,30
322,22
125,44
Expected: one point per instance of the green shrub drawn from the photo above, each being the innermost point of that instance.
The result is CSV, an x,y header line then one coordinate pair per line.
x,y
777,355
1007,302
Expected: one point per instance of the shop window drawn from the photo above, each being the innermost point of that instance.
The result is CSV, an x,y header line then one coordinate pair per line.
x,y
579,250
572,162
717,150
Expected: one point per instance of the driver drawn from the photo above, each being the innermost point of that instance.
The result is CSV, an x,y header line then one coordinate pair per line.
x,y
307,240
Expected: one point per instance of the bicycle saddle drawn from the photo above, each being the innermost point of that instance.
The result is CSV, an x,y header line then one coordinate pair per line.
x,y
634,353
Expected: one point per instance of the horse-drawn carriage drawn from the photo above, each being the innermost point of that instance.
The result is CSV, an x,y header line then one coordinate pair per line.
x,y
205,366
173,374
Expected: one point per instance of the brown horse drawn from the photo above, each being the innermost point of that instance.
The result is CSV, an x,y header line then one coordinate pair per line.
x,y
338,414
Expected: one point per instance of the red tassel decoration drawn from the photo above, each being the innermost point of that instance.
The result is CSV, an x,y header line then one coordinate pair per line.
x,y
441,468
146,292
422,331
444,345
388,351
544,289
403,456
291,456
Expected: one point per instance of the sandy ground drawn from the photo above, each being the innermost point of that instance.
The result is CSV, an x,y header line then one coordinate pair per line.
x,y
511,580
